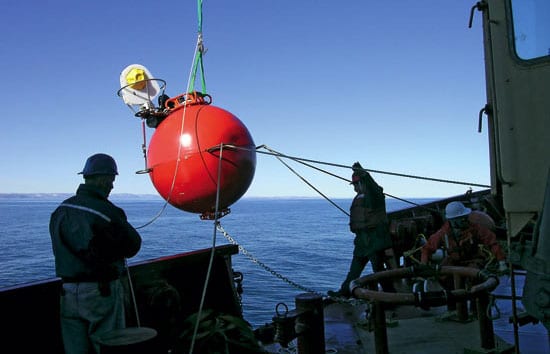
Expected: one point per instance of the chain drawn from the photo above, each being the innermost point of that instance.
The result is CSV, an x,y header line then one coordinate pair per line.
x,y
261,264
350,300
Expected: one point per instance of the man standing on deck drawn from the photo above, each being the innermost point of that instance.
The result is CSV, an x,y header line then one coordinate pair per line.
x,y
91,239
369,223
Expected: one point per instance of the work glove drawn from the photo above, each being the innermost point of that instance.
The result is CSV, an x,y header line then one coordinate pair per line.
x,y
438,256
502,268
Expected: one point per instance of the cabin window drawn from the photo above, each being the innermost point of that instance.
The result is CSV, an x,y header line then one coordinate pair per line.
x,y
531,28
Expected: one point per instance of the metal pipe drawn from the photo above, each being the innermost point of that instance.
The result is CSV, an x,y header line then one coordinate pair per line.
x,y
461,305
486,330
380,331
479,293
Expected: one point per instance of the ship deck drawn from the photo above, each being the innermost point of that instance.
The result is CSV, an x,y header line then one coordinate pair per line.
x,y
410,330
414,330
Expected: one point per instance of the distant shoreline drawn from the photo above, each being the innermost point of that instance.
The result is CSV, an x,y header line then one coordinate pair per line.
x,y
66,195
156,197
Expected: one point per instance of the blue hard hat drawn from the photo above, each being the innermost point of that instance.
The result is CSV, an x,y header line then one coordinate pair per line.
x,y
99,164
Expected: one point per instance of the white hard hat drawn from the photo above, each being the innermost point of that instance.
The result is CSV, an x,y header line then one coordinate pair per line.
x,y
456,210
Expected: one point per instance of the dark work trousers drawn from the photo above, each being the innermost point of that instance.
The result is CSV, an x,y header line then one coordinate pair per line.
x,y
357,266
369,244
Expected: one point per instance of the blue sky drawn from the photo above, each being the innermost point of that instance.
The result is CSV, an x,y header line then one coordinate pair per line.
x,y
394,85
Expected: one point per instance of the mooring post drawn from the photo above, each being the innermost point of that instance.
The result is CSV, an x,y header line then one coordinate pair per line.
x,y
310,325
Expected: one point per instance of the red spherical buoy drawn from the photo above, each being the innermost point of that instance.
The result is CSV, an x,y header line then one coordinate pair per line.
x,y
196,146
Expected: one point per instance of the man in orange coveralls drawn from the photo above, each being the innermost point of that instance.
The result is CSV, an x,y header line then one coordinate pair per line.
x,y
460,237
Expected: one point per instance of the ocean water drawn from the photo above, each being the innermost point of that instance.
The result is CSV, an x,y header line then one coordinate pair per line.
x,y
305,241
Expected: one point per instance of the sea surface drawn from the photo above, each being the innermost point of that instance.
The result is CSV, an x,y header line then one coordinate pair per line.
x,y
291,244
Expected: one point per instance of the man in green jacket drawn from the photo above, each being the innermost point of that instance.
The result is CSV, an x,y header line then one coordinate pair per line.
x,y
91,239
369,223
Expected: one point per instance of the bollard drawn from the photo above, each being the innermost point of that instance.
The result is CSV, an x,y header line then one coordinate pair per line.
x,y
310,325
